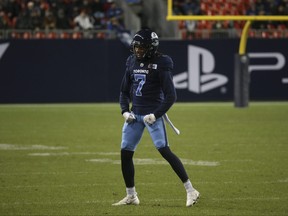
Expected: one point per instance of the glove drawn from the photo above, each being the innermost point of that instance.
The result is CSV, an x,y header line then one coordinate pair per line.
x,y
149,119
129,117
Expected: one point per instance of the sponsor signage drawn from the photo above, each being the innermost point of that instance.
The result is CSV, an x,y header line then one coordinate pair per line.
x,y
201,76
91,70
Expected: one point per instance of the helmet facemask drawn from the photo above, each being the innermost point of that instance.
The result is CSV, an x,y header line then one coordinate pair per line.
x,y
145,44
140,50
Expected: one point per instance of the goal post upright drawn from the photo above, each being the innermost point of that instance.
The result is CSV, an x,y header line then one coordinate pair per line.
x,y
241,71
241,80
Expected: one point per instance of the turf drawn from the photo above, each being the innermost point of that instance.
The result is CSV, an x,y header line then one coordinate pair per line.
x,y
63,159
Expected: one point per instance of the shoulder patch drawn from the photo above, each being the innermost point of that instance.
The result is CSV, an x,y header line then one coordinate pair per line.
x,y
153,66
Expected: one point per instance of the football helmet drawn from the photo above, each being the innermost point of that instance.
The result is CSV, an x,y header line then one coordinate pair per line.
x,y
145,44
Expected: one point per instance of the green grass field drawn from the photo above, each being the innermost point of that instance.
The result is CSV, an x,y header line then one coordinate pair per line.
x,y
64,160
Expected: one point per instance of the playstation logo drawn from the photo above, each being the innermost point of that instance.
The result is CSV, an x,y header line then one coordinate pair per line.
x,y
3,48
200,77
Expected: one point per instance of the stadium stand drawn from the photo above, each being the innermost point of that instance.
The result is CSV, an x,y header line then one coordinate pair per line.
x,y
216,29
76,19
41,19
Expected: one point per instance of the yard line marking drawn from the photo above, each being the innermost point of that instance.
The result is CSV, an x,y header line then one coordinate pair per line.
x,y
80,185
239,171
137,161
248,198
58,186
283,180
108,153
46,154
57,203
29,147
238,160
45,173
151,161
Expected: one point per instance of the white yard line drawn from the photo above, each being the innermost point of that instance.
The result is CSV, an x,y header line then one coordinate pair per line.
x,y
154,161
44,173
58,186
57,203
29,147
46,154
249,198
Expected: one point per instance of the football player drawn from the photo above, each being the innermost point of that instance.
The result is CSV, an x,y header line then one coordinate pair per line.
x,y
147,84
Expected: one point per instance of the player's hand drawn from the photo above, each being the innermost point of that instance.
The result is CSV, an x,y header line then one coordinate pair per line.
x,y
149,119
129,117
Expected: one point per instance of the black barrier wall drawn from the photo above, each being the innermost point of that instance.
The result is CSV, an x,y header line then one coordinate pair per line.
x,y
44,71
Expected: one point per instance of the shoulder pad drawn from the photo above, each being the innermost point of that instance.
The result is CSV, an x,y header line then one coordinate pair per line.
x,y
166,62
130,59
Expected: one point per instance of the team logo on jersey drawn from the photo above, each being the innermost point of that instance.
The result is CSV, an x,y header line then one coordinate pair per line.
x,y
200,77
3,48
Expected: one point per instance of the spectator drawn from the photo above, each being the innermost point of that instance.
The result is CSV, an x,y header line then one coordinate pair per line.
x,y
281,11
218,30
178,7
62,22
12,9
191,6
251,11
190,26
35,21
49,20
115,12
4,21
260,24
99,20
98,14
22,21
83,21
97,6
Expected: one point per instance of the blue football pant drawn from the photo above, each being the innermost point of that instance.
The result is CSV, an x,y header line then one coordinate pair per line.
x,y
132,133
131,136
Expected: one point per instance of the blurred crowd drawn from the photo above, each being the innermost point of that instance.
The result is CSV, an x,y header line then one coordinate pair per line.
x,y
85,15
58,14
39,15
230,7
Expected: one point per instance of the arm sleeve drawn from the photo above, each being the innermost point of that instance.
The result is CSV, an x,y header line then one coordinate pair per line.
x,y
167,85
125,97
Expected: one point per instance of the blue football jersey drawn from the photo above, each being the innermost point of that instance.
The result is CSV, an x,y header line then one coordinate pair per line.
x,y
148,85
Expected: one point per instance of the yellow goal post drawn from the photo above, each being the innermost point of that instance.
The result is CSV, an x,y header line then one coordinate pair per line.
x,y
248,19
241,74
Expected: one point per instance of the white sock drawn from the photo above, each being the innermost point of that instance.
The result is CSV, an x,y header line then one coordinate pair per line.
x,y
131,191
188,186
